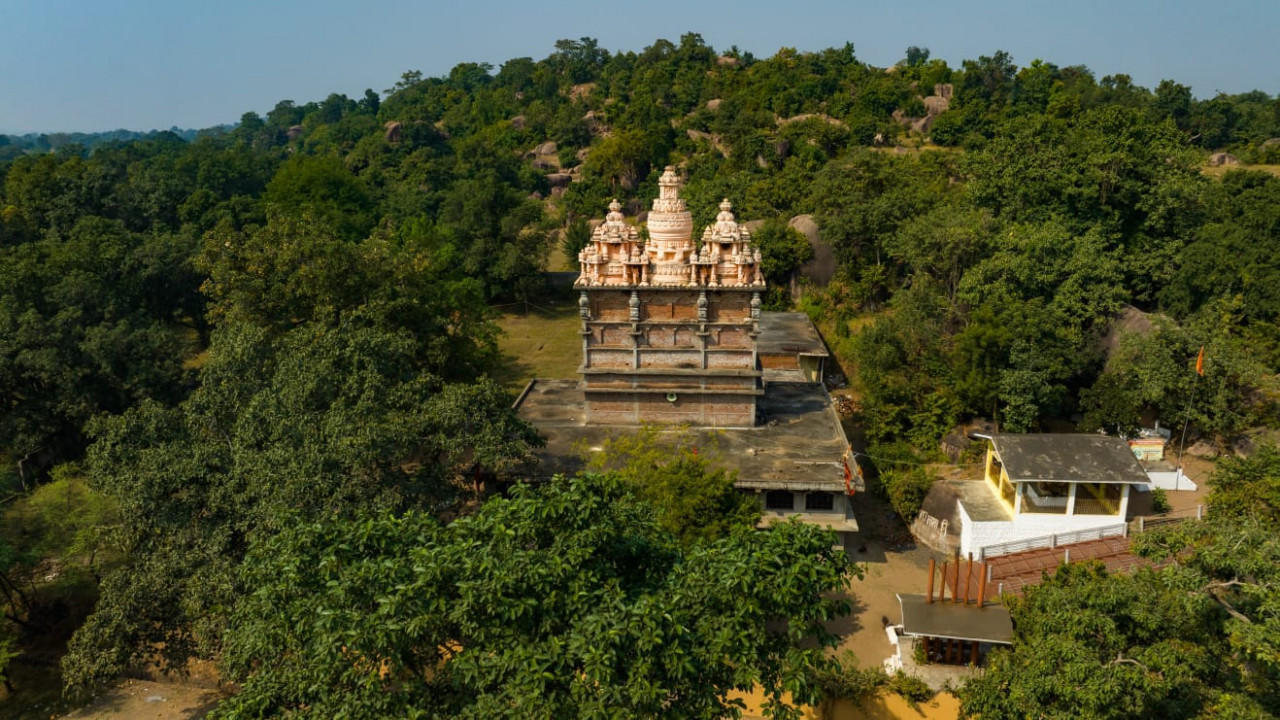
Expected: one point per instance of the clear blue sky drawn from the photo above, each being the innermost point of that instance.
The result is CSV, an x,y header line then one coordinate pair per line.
x,y
85,65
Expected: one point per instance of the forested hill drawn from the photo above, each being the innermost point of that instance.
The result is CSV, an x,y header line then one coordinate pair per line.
x,y
205,340
1053,200
14,146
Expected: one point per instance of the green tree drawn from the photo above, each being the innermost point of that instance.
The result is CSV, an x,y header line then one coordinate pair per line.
x,y
1248,486
323,187
315,422
694,499
782,249
564,601
1089,644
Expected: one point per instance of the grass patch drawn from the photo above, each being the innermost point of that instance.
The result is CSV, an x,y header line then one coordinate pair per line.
x,y
557,261
542,341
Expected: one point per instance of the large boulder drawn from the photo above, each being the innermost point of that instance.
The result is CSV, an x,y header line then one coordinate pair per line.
x,y
1221,158
713,104
393,131
936,105
546,163
822,266
595,125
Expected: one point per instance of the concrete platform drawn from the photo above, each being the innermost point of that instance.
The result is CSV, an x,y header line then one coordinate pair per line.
x,y
799,444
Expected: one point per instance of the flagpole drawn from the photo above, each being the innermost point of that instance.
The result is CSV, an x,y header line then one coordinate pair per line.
x,y
1187,416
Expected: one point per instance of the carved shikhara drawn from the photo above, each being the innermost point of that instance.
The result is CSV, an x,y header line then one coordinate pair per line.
x,y
618,256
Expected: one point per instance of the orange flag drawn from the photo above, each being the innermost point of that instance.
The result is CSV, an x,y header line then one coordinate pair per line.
x,y
1200,362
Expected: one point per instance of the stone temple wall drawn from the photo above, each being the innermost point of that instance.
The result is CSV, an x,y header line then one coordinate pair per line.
x,y
710,410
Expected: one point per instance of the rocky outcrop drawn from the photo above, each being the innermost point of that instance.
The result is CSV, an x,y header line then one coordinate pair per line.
x,y
1221,159
595,125
808,116
577,92
393,130
822,266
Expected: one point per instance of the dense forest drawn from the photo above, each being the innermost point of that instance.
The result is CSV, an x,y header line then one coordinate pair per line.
x,y
244,372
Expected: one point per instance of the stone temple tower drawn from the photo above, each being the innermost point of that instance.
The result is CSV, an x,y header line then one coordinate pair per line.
x,y
669,328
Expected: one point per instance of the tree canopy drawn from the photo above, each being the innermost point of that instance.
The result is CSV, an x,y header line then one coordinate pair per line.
x,y
568,600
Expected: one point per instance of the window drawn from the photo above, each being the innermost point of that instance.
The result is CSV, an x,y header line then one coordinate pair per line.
x,y
780,500
819,501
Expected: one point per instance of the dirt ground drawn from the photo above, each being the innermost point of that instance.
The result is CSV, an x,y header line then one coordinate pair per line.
x,y
892,563
149,700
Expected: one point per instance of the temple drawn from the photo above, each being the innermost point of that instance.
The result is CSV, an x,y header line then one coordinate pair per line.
x,y
673,334
669,330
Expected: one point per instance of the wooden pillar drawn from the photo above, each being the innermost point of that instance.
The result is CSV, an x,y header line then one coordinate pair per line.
x,y
955,579
928,593
942,589
968,579
973,654
983,571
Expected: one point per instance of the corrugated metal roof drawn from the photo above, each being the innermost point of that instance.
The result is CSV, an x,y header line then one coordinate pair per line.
x,y
955,621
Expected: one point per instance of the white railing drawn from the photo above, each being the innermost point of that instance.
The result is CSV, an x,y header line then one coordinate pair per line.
x,y
1051,541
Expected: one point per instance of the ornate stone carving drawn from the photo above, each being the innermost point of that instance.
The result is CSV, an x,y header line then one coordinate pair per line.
x,y
584,305
617,256
702,306
634,306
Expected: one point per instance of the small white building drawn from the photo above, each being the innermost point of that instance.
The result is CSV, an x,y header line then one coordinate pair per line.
x,y
1049,489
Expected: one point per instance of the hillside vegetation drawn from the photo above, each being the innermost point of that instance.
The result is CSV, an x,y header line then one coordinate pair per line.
x,y
225,354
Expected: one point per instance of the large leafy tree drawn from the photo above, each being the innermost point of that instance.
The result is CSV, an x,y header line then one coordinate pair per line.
x,y
294,271
1102,646
318,421
563,601
89,323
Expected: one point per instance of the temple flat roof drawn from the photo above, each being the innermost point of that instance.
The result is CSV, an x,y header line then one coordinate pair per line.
x,y
955,621
799,444
1049,457
784,333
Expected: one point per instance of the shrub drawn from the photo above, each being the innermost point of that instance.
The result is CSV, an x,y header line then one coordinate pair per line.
x,y
910,688
907,489
1160,501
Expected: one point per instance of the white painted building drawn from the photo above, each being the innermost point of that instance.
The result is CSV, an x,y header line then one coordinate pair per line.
x,y
1051,489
